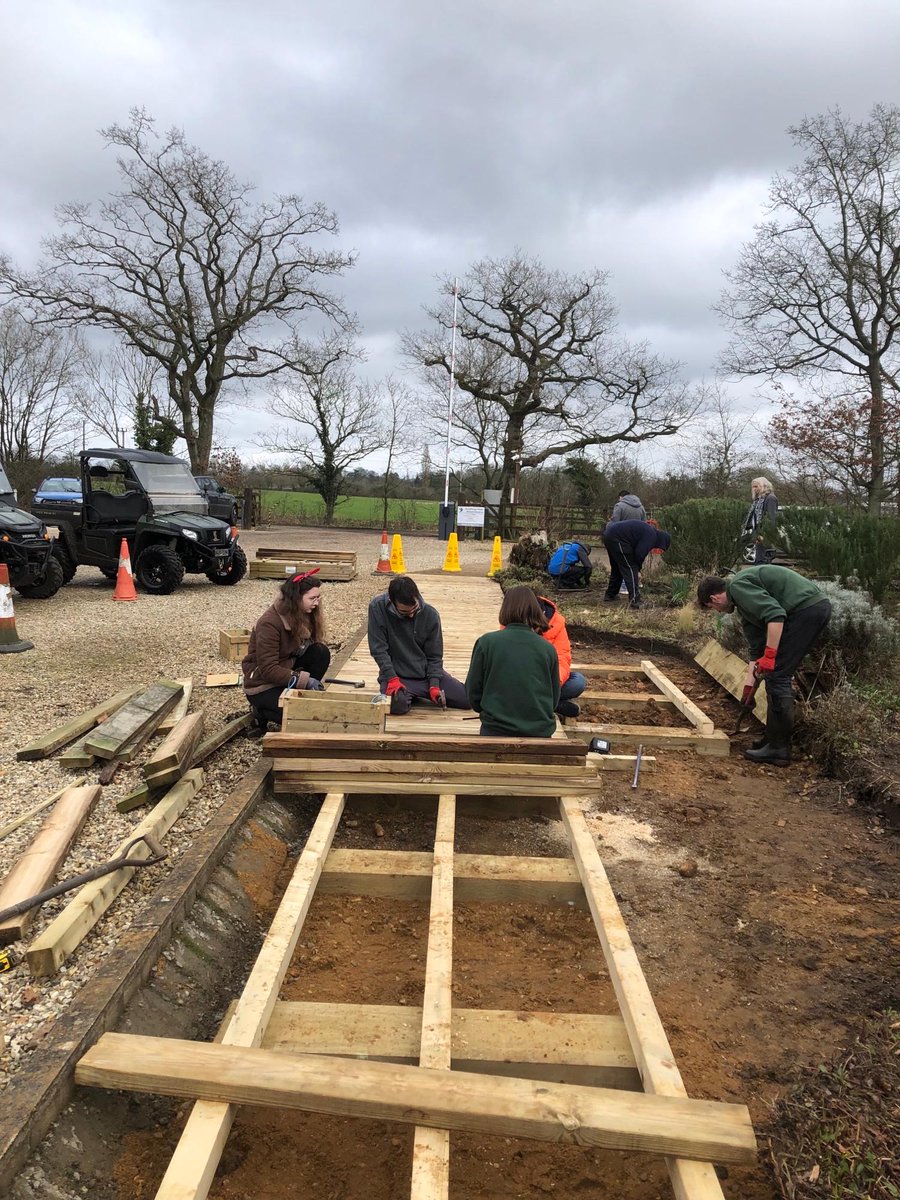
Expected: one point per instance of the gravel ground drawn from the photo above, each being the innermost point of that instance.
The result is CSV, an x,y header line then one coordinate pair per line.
x,y
86,649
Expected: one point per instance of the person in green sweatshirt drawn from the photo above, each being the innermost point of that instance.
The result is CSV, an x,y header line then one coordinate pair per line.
x,y
513,679
783,614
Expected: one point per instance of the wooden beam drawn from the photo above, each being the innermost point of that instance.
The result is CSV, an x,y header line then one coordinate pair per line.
x,y
620,762
715,743
47,953
481,1104
565,1047
559,771
36,867
180,709
432,783
401,745
44,745
136,717
191,1170
345,556
25,817
730,671
494,878
230,680
625,699
683,703
652,1052
170,760
431,1147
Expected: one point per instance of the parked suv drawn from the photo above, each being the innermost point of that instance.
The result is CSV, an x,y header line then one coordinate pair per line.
x,y
152,501
57,488
221,503
26,548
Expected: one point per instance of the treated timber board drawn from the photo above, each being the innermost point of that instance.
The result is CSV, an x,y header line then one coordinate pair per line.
x,y
730,671
231,679
498,784
170,760
430,1178
406,875
625,699
277,569
180,709
65,933
479,771
43,1086
135,718
295,725
496,1041
683,703
25,817
76,757
44,745
715,743
431,745
652,1052
620,762
36,867
193,1165
481,1104
348,556
329,708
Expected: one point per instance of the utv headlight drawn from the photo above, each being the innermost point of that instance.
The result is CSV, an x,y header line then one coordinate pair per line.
x,y
189,533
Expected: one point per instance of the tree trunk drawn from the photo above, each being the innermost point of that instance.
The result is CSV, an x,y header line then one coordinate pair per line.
x,y
512,453
876,443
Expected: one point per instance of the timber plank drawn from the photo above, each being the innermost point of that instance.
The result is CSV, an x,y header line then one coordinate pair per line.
x,y
452,770
36,867
229,680
170,760
730,671
64,934
25,817
44,745
434,746
625,699
348,556
715,743
135,718
180,709
683,703
482,1104
431,783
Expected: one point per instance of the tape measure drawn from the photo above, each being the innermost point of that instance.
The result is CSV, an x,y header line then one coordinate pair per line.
x,y
7,959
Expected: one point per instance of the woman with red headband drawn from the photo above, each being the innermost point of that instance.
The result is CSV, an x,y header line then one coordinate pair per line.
x,y
287,648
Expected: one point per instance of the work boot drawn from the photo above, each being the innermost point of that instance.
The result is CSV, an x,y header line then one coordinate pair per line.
x,y
776,750
771,756
636,604
568,708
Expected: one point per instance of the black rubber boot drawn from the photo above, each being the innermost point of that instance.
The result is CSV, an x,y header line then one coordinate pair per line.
x,y
776,752
568,708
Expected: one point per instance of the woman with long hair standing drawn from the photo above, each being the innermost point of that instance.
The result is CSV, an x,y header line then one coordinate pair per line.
x,y
287,647
513,679
763,509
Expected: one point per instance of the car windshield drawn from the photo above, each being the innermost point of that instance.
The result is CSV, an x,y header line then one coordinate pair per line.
x,y
170,485
5,485
61,485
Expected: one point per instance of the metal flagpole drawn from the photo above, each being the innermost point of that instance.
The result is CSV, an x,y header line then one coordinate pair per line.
x,y
450,393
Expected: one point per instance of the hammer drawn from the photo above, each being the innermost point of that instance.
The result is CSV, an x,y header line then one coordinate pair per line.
x,y
354,683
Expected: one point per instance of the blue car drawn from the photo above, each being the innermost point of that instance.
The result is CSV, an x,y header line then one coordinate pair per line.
x,y
58,489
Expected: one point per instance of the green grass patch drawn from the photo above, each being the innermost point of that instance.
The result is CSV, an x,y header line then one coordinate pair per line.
x,y
364,512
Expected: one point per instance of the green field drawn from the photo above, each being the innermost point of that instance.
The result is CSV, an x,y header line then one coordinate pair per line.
x,y
363,511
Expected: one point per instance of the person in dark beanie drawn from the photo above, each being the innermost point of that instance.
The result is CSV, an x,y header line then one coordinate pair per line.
x,y
407,643
628,543
783,614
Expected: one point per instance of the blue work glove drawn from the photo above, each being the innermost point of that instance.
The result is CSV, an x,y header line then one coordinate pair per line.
x,y
313,685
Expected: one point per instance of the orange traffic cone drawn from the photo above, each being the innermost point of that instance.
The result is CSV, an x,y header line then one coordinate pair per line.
x,y
125,578
10,642
383,566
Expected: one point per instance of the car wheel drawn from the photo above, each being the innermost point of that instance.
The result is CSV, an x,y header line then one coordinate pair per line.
x,y
46,587
67,563
158,570
233,573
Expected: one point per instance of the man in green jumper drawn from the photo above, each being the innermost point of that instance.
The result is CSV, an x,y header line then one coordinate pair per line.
x,y
783,614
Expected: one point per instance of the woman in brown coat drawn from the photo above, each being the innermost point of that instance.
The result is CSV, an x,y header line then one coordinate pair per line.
x,y
287,647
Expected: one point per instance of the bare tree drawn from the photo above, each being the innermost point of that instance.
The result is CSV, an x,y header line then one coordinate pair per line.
x,y
717,450
331,421
39,368
186,267
114,381
541,367
398,432
815,294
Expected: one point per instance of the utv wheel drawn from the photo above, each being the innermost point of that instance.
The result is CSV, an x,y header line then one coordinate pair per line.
x,y
233,573
67,563
158,570
48,586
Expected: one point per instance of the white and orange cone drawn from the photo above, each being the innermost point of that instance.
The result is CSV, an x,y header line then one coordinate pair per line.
x,y
10,642
125,578
383,566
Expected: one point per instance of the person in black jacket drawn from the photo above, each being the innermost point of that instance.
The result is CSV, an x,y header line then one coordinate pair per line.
x,y
628,543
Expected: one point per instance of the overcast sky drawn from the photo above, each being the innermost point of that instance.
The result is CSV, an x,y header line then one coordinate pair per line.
x,y
638,138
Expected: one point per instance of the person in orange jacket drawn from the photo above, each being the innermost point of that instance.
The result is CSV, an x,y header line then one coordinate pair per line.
x,y
572,683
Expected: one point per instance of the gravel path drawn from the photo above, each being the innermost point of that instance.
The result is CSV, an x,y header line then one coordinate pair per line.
x,y
86,649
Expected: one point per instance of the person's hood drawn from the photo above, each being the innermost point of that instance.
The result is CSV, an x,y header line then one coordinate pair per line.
x,y
548,608
631,500
663,539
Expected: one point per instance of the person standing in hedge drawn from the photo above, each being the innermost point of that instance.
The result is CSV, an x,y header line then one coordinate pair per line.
x,y
783,615
763,507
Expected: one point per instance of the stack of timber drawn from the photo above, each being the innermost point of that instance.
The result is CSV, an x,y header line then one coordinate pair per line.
x,y
36,868
167,764
701,735
730,671
47,743
233,644
321,712
401,765
334,566
139,717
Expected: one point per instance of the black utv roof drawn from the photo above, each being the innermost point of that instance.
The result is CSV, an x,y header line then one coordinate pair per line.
x,y
145,456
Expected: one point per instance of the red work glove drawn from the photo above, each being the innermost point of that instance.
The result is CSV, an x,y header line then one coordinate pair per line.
x,y
393,685
434,695
767,662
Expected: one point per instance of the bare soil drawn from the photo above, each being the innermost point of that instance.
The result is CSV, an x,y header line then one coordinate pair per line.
x,y
761,963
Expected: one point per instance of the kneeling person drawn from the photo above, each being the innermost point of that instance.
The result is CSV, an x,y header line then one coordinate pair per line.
x,y
407,643
287,648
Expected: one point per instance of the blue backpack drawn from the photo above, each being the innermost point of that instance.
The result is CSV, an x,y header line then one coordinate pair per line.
x,y
564,556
